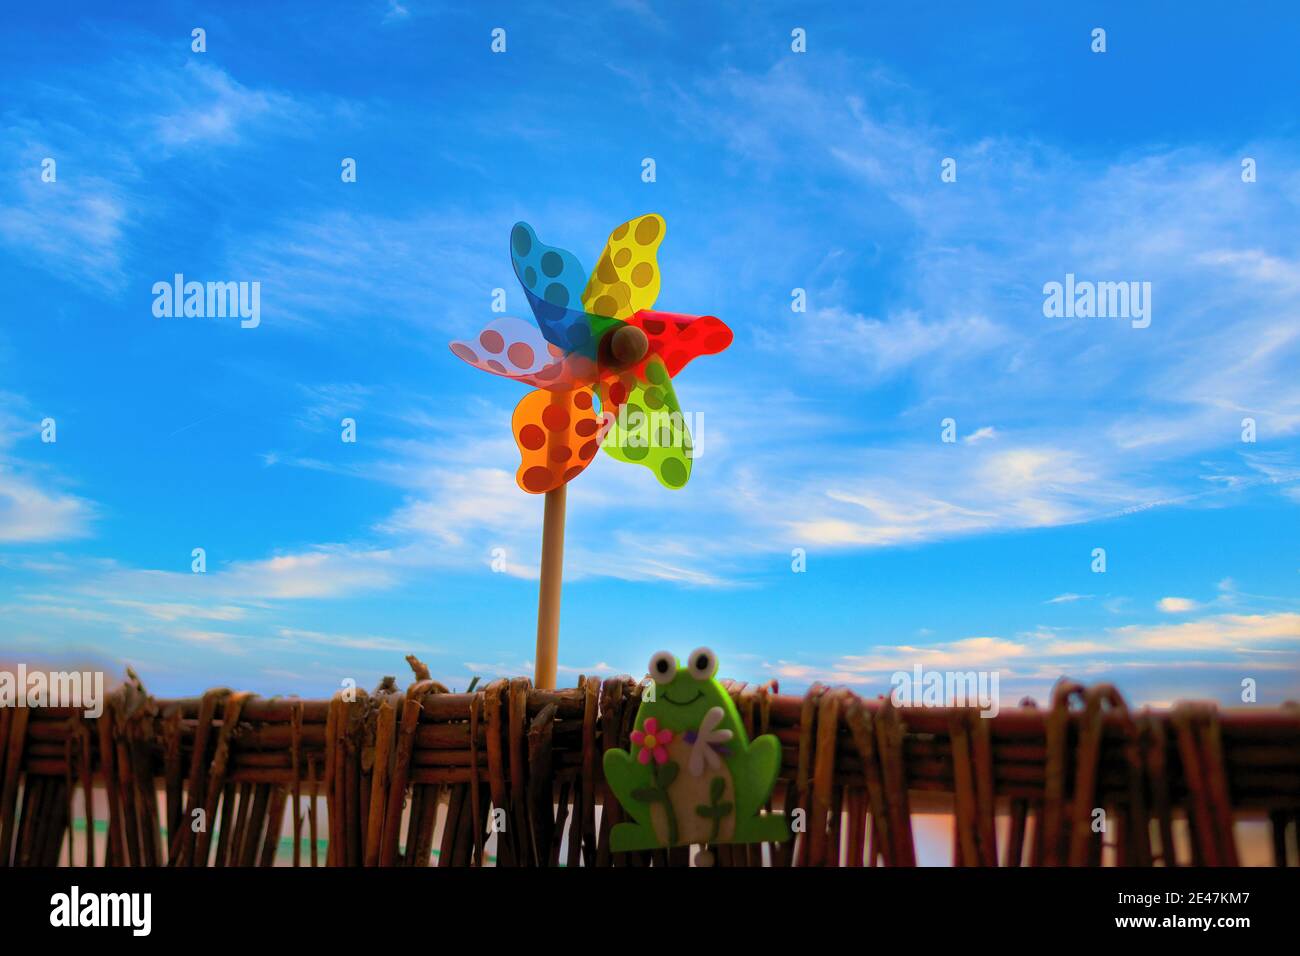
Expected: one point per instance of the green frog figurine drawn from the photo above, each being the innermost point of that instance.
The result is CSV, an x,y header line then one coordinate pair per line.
x,y
692,776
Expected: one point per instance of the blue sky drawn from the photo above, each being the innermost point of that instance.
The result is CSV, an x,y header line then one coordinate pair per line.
x,y
776,170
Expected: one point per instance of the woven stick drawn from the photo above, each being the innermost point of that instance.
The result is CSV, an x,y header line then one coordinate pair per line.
x,y
295,751
197,786
889,744
69,780
256,825
820,852
172,777
985,788
803,775
419,850
126,797
477,798
516,731
88,785
965,852
857,826
9,792
385,727
311,805
611,706
451,825
226,833
496,763
1204,840
392,829
1051,836
541,789
587,829
146,801
562,818
220,761
333,788
6,716
114,853
33,794
60,811
1217,786
274,824
238,836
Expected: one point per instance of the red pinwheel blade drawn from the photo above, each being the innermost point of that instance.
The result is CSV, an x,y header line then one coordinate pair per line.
x,y
678,338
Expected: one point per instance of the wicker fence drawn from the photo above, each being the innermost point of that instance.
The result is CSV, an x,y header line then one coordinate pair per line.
x,y
512,775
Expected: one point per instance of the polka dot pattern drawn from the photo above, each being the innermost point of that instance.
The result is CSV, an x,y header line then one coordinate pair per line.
x,y
626,278
566,356
648,427
514,348
553,281
678,338
553,430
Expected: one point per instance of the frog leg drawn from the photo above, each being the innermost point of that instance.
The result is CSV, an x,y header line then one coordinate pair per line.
x,y
626,776
755,773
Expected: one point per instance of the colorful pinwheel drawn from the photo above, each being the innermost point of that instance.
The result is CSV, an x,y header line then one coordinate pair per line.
x,y
595,337
596,340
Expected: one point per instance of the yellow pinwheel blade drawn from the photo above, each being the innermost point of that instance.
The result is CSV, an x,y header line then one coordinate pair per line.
x,y
626,278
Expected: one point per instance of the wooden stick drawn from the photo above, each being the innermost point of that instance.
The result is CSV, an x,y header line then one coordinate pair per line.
x,y
126,800
217,778
172,778
14,757
296,750
548,594
392,826
385,728
333,788
184,840
421,848
70,781
87,757
311,806
227,829
476,797
274,824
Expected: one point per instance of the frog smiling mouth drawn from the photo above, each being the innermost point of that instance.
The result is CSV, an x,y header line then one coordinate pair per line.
x,y
682,703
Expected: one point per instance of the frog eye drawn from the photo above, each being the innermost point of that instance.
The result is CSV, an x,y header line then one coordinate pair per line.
x,y
663,668
703,663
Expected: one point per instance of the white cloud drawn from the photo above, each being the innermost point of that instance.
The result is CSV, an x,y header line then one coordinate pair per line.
x,y
986,433
1233,644
1068,598
869,350
1222,632
1176,605
29,513
396,12
206,106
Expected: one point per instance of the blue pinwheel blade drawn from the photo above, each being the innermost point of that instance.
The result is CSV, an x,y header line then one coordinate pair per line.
x,y
553,280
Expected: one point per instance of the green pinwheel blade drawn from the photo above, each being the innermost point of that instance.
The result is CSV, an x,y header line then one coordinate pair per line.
x,y
649,428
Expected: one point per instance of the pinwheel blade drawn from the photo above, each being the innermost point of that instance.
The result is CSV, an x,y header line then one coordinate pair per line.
x,y
626,278
516,349
553,281
678,338
556,432
647,427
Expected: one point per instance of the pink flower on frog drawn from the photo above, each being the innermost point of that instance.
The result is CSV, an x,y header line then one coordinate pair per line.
x,y
652,741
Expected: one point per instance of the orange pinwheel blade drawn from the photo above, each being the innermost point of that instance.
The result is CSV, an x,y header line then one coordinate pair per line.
x,y
556,432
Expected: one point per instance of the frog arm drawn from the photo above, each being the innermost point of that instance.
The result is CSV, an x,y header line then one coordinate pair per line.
x,y
625,776
755,775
